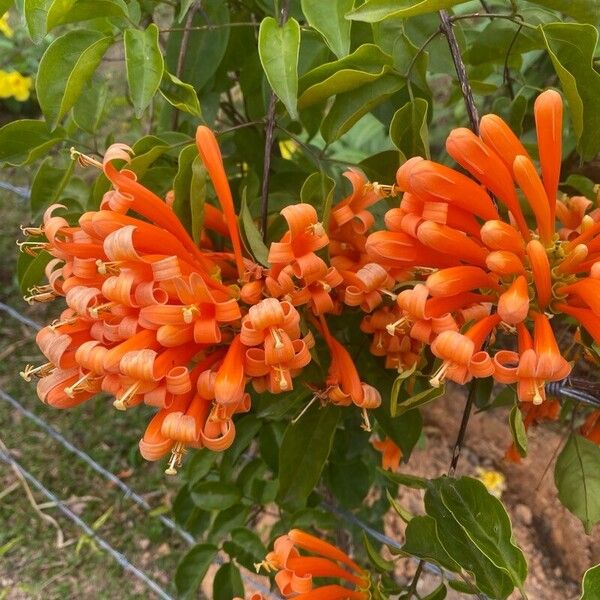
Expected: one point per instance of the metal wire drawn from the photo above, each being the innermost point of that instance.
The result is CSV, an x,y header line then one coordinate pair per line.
x,y
120,558
19,317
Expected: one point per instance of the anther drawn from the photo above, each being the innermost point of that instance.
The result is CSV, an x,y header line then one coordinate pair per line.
x,y
366,424
32,231
32,248
84,160
277,337
78,386
188,313
391,327
96,310
439,375
41,371
176,459
122,402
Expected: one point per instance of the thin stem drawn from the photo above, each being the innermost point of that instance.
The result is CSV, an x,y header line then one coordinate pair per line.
x,y
412,588
207,27
514,18
414,59
461,72
508,81
270,120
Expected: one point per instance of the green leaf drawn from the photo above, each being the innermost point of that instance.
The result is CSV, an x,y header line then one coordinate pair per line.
x,y
584,11
48,184
257,247
89,108
486,523
404,430
408,129
228,520
228,583
61,12
328,18
145,65
590,585
438,594
365,65
577,478
490,579
349,107
517,428
4,6
571,47
422,540
317,191
374,11
304,449
411,481
583,185
200,465
246,547
66,68
402,512
407,57
22,142
278,49
181,185
30,270
36,12
215,495
192,568
197,197
420,399
380,563
179,94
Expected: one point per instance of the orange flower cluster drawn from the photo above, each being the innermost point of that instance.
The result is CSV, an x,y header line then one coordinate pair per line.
x,y
295,572
154,318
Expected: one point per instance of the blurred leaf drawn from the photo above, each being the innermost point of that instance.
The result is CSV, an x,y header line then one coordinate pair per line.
x,y
215,495
145,65
590,585
572,47
584,11
328,18
246,547
486,522
483,388
349,107
257,247
184,6
228,520
373,11
89,108
197,196
36,12
517,429
366,64
193,567
30,269
438,594
381,564
228,583
48,184
179,94
61,12
278,49
349,481
462,586
422,540
181,185
577,478
304,449
317,191
65,69
583,185
408,129
22,142
5,5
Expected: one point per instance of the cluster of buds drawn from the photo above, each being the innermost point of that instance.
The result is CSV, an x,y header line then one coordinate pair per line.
x,y
155,318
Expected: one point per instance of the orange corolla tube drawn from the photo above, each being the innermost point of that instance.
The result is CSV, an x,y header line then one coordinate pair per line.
x,y
229,383
456,280
513,305
503,263
213,161
529,181
586,317
498,136
588,290
540,268
391,454
550,365
548,111
471,153
497,235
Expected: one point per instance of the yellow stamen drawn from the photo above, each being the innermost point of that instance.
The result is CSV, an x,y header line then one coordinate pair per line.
x,y
267,565
537,396
277,337
56,323
78,386
176,459
109,267
303,411
379,338
32,231
317,229
325,286
188,313
84,160
32,248
41,371
388,293
283,383
95,310
386,190
366,424
40,295
122,402
440,375
572,259
400,323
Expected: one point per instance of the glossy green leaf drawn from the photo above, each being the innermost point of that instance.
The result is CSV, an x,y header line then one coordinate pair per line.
x,y
328,18
89,108
411,61
145,152
408,129
402,512
257,247
490,579
486,523
227,520
373,11
439,593
215,495
144,63
36,13
66,68
420,399
193,567
411,481
61,12
421,539
30,270
22,142
584,11
590,585
366,64
304,449
228,583
318,190
572,48
278,49
517,429
200,465
246,547
349,107
381,564
48,185
577,478
179,94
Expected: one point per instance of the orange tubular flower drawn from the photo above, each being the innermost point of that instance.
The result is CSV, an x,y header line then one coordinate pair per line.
x,y
391,455
295,572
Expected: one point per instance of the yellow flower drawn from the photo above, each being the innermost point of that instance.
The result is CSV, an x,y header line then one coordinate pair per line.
x,y
5,87
21,86
494,481
5,28
287,148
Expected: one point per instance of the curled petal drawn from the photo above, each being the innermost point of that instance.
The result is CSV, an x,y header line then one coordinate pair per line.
x,y
454,347
481,364
154,445
505,366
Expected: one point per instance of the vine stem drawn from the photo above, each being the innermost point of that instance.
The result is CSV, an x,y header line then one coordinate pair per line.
x,y
270,120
